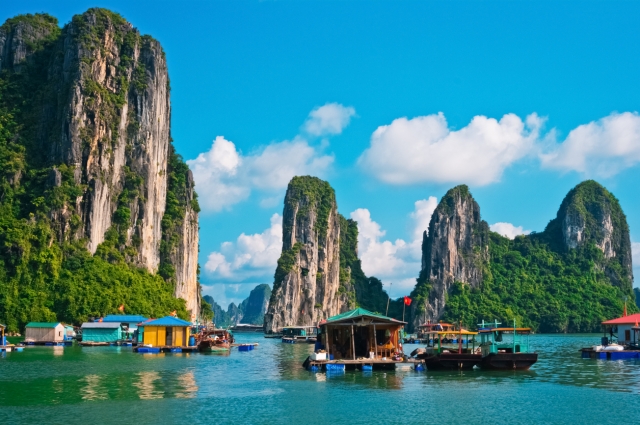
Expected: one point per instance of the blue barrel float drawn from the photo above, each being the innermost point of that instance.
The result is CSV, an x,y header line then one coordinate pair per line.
x,y
192,341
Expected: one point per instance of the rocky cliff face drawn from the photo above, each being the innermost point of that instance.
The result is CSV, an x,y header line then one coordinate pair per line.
x,y
454,250
590,214
307,286
255,306
103,115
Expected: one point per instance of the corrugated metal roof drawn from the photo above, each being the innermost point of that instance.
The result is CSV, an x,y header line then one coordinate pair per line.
x,y
100,325
167,321
126,318
42,324
360,312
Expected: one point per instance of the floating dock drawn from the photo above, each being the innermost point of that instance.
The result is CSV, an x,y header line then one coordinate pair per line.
x,y
590,353
361,364
164,349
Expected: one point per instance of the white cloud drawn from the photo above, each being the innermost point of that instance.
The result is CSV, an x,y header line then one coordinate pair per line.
x,y
331,118
425,149
225,177
395,262
249,257
600,148
508,230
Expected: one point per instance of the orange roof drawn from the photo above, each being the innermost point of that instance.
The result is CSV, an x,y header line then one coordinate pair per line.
x,y
631,319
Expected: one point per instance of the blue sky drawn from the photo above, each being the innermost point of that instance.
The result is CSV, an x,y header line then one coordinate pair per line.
x,y
307,87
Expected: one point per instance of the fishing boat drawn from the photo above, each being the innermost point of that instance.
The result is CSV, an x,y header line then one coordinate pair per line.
x,y
214,340
299,334
449,358
500,353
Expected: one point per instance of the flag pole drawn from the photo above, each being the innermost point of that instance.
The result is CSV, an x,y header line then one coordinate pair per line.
x,y
388,298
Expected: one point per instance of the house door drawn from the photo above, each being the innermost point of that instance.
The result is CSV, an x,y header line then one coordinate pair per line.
x,y
169,336
627,335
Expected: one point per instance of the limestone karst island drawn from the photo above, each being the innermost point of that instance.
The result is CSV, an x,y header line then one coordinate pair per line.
x,y
319,212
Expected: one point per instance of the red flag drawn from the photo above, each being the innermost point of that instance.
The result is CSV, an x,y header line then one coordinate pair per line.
x,y
407,301
174,313
121,308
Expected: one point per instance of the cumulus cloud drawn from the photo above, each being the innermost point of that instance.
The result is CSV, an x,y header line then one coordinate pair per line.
x,y
331,118
600,148
396,262
425,149
250,257
225,177
508,230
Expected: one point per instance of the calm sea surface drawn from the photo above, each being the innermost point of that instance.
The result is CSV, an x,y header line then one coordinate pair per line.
x,y
268,386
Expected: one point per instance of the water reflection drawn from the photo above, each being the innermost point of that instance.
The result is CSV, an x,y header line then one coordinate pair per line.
x,y
146,385
187,386
92,389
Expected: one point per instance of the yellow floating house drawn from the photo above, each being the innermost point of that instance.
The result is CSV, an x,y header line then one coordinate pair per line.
x,y
165,334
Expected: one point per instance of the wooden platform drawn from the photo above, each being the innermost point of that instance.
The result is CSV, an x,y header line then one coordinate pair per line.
x,y
350,364
164,349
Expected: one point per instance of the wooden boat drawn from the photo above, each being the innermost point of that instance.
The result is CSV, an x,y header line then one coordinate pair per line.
x,y
498,354
214,340
299,334
449,358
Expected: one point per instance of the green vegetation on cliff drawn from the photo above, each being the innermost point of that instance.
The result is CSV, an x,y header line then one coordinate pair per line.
x,y
544,284
43,278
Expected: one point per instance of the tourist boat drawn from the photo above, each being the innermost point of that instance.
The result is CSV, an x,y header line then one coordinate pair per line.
x,y
621,340
510,354
299,334
427,332
449,358
246,327
214,340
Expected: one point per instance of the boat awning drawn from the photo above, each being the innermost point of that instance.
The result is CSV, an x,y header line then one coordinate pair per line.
x,y
451,333
631,319
517,330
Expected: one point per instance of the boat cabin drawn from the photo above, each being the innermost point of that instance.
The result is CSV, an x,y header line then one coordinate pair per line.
x,y
361,334
166,332
621,329
496,339
428,330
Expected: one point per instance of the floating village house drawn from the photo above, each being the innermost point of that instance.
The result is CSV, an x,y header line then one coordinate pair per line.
x,y
48,333
622,328
166,333
101,333
128,323
361,337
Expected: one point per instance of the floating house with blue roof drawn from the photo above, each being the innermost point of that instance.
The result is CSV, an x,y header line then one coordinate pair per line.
x,y
165,334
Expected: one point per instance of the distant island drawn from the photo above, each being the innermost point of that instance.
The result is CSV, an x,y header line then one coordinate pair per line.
x,y
250,311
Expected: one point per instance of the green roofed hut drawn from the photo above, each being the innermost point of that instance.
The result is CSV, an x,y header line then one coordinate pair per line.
x,y
358,339
46,333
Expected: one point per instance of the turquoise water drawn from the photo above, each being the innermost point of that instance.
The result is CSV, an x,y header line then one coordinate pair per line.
x,y
269,386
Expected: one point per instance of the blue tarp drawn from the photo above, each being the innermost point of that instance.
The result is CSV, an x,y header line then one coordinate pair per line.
x,y
125,318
